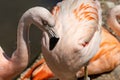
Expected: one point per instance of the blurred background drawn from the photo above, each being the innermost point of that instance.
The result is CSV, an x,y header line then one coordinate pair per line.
x,y
10,13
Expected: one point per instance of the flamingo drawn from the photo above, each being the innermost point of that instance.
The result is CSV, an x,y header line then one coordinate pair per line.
x,y
77,23
106,59
41,17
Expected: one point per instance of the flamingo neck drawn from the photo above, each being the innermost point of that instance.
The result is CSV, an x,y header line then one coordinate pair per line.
x,y
112,19
21,55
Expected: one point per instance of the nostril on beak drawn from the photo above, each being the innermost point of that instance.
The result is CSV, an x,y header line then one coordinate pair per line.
x,y
53,42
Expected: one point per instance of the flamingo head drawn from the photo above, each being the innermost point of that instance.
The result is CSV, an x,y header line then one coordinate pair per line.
x,y
42,18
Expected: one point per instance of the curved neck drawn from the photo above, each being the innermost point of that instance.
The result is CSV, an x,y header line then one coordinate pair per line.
x,y
112,19
37,16
23,35
21,55
19,60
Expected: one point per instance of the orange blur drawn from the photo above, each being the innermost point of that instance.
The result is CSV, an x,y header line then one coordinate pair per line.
x,y
39,71
87,14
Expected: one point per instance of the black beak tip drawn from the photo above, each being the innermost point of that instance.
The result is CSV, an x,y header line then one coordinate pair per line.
x,y
53,42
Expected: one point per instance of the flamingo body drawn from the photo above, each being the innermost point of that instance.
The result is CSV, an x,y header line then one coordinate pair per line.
x,y
78,27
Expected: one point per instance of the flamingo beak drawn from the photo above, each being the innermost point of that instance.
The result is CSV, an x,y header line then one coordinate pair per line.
x,y
53,42
53,37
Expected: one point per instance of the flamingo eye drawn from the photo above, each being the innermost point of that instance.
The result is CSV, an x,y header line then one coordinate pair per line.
x,y
45,22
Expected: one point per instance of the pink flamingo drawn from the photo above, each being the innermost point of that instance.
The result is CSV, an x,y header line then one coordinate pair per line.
x,y
78,25
41,17
106,59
